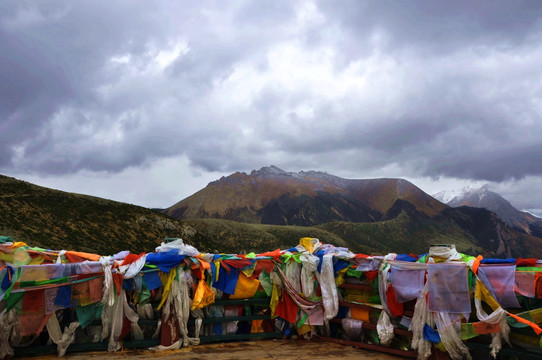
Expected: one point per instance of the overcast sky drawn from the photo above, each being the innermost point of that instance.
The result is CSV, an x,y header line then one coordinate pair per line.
x,y
147,101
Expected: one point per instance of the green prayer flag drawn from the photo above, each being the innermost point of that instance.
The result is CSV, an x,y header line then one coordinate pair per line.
x,y
302,321
65,279
529,268
4,239
468,331
354,273
13,299
266,283
86,314
144,296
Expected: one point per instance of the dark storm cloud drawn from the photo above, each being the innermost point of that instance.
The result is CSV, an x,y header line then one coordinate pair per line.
x,y
430,88
52,54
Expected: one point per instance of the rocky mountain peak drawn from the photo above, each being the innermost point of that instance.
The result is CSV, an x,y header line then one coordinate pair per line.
x,y
269,171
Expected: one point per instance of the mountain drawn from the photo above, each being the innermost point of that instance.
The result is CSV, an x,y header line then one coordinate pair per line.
x,y
273,196
58,220
377,215
367,216
484,198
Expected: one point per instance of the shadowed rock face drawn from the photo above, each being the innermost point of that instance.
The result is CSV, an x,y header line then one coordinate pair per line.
x,y
323,207
486,227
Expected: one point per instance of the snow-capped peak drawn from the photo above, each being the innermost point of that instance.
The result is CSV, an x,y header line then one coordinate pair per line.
x,y
447,196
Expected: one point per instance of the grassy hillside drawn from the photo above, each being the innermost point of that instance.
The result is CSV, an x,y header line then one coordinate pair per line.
x,y
399,235
234,237
59,220
402,235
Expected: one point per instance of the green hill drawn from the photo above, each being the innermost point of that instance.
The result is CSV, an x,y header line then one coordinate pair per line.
x,y
59,220
234,237
402,235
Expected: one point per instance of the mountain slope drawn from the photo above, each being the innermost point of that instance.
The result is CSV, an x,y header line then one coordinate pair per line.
x,y
484,198
235,237
381,194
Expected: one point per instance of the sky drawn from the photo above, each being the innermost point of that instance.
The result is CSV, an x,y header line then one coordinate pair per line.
x,y
146,102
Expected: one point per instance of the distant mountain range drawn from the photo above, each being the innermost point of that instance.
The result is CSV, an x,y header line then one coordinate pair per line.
x,y
264,210
377,213
484,198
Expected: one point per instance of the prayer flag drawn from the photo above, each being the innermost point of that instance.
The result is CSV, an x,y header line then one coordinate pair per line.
x,y
448,288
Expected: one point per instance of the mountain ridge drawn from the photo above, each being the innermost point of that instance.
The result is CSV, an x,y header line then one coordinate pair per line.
x,y
250,193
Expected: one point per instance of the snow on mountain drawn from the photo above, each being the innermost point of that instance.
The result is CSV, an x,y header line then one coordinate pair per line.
x,y
446,196
534,212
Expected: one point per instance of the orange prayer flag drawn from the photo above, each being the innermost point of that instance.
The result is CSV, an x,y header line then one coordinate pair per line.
x,y
486,328
78,256
130,258
359,314
246,287
274,254
476,263
95,287
256,327
204,264
534,326
81,293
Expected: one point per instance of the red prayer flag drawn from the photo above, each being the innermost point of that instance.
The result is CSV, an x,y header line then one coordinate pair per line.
x,y
34,301
130,258
286,308
32,323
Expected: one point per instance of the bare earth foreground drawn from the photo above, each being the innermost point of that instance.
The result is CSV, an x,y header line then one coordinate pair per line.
x,y
249,350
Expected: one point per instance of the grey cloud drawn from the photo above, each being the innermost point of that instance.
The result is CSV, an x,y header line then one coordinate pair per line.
x,y
436,28
56,62
431,88
523,194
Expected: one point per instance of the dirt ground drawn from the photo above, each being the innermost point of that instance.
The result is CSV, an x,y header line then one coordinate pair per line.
x,y
248,350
